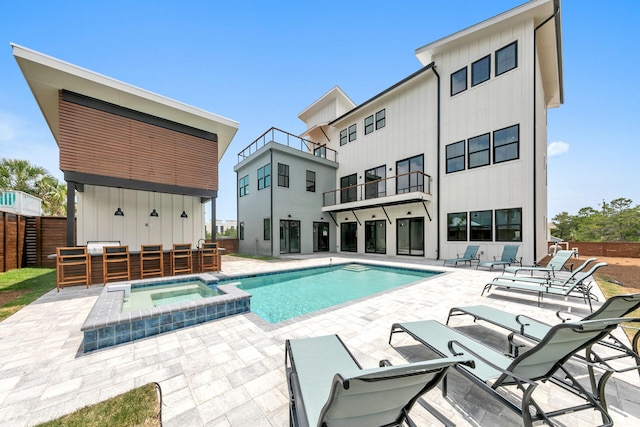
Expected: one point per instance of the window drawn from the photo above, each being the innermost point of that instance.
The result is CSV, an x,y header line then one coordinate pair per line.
x,y
480,226
349,191
241,231
479,151
283,175
381,119
410,177
459,81
376,189
509,225
375,236
368,125
506,144
320,152
343,137
311,181
349,237
243,185
264,177
455,157
481,70
266,228
457,227
507,58
352,132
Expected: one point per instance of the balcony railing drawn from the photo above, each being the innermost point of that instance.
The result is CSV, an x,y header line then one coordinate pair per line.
x,y
412,182
285,138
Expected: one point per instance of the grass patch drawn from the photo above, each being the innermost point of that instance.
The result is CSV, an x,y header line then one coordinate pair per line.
x,y
139,407
610,289
21,287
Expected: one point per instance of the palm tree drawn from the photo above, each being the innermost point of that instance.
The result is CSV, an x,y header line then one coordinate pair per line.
x,y
53,195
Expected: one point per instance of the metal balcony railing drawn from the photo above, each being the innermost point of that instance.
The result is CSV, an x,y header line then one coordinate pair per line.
x,y
411,182
285,138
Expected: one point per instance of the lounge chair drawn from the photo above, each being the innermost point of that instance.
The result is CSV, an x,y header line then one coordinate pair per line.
x,y
508,257
572,286
470,254
492,370
328,387
528,327
555,264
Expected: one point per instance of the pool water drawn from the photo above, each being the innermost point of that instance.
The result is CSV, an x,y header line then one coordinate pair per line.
x,y
154,296
278,297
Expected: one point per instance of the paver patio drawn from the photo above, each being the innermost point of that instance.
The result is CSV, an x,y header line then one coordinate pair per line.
x,y
230,372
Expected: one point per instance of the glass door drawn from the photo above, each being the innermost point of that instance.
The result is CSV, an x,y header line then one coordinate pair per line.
x,y
375,235
410,236
320,236
349,237
289,236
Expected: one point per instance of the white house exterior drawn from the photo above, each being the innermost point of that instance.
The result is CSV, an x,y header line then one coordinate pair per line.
x,y
452,155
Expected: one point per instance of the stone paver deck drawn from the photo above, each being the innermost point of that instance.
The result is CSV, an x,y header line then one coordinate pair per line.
x,y
230,372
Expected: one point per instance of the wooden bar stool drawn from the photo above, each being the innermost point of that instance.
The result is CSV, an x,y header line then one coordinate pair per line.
x,y
181,261
151,261
115,263
208,257
73,266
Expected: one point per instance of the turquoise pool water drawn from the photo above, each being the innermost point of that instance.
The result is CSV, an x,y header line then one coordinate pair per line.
x,y
277,297
167,293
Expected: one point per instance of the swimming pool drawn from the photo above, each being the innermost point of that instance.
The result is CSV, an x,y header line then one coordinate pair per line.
x,y
281,296
170,293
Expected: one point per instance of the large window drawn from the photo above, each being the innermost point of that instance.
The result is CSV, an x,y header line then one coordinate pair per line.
x,y
283,175
343,137
243,186
479,151
266,228
457,226
264,177
459,81
506,144
481,70
509,225
311,181
352,132
480,226
381,119
368,125
375,189
410,175
375,236
349,191
507,58
455,157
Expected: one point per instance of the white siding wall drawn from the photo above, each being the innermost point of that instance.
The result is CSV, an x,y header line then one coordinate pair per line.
x,y
254,207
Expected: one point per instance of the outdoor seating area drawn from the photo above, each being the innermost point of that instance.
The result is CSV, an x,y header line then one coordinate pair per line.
x,y
470,255
508,257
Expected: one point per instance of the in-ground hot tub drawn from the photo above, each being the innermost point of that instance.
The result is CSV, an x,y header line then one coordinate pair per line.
x,y
168,303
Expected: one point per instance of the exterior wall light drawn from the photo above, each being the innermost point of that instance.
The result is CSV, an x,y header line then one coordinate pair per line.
x,y
118,212
154,213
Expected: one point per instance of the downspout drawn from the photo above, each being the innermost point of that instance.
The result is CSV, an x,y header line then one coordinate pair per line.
x,y
535,126
433,68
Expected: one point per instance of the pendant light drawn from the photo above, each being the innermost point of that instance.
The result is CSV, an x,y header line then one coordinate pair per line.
x,y
119,211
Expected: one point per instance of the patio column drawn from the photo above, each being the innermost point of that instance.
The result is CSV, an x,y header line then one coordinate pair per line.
x,y
71,213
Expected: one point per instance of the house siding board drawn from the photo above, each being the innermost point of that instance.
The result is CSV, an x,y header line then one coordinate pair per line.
x,y
99,143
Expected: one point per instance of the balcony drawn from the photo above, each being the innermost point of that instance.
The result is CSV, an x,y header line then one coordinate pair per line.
x,y
285,138
399,189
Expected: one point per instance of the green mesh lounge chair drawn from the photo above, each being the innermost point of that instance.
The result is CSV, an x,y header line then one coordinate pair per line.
x,y
470,254
554,265
327,386
508,257
493,372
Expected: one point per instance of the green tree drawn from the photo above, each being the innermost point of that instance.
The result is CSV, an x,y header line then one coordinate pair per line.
x,y
53,195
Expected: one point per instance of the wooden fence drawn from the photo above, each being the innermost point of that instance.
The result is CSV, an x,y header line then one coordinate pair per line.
x,y
607,249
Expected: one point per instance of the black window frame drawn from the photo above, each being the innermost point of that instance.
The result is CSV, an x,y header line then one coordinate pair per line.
x,y
283,175
241,231
504,145
450,158
243,186
487,60
376,189
368,124
453,76
381,118
487,150
348,188
413,178
343,136
508,227
266,228
265,180
456,232
499,70
476,232
353,132
311,181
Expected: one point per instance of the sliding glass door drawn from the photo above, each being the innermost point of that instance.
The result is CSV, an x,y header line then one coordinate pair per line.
x,y
410,236
289,236
375,236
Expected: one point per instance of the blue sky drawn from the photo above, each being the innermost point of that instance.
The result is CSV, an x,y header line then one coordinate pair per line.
x,y
262,62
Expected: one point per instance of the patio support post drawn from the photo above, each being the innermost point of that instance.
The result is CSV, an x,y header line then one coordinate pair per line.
x,y
71,213
214,229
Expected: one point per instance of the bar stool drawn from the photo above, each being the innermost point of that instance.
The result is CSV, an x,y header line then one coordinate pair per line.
x,y
73,266
151,261
181,261
115,263
208,257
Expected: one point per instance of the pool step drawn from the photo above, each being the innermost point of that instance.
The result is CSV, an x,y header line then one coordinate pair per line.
x,y
356,267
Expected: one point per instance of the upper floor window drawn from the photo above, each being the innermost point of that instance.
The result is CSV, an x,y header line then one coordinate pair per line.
x,y
459,81
348,188
320,152
283,175
378,186
410,175
243,185
481,70
311,181
455,157
352,132
368,125
264,176
507,58
479,151
509,225
343,136
457,226
480,226
381,119
506,144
